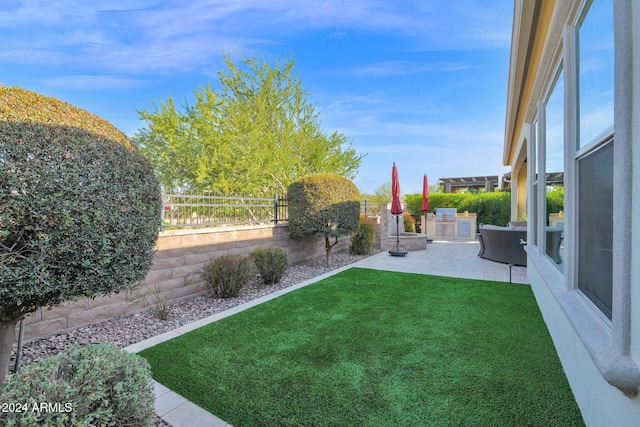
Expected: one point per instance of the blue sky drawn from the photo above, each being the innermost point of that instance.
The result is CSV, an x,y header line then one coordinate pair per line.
x,y
421,83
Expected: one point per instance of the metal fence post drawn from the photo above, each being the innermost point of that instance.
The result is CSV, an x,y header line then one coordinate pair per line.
x,y
163,214
275,209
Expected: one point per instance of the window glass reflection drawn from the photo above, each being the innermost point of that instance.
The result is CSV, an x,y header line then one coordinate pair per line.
x,y
595,64
554,174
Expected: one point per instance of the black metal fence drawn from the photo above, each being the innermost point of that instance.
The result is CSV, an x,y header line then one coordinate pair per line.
x,y
208,209
370,208
211,209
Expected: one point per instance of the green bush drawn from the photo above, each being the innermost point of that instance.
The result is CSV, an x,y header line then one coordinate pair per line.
x,y
97,385
409,222
79,207
225,276
491,208
364,237
326,205
271,263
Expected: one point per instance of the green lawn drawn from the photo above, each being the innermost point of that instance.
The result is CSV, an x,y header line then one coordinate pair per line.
x,y
376,348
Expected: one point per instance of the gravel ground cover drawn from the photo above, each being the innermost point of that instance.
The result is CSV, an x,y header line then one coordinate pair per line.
x,y
126,330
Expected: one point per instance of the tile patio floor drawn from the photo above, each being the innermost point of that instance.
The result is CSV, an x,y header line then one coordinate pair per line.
x,y
442,258
451,259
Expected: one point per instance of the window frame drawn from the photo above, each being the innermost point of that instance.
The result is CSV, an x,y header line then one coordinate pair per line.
x,y
608,344
532,199
558,72
578,152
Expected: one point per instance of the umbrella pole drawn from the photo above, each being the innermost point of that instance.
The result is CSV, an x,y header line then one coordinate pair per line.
x,y
398,233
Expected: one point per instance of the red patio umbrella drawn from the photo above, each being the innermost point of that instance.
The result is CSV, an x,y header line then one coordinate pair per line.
x,y
425,194
396,208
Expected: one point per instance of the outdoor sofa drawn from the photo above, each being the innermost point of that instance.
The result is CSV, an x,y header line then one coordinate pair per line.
x,y
506,244
502,244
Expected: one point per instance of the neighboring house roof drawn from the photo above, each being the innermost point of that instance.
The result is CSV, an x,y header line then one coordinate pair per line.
x,y
527,43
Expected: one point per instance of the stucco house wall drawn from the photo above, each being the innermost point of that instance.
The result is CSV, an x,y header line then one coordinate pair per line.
x,y
600,353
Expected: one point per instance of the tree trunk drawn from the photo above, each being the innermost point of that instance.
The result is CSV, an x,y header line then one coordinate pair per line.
x,y
7,336
327,246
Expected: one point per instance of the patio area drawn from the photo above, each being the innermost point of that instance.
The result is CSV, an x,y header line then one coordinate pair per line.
x,y
448,258
441,258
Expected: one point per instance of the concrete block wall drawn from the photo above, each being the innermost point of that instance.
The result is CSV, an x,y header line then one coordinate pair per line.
x,y
175,273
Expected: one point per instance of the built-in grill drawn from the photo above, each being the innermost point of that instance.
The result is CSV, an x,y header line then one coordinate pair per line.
x,y
446,214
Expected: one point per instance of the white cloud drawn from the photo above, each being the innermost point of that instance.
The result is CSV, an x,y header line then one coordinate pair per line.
x,y
400,68
437,161
379,115
92,82
180,35
389,130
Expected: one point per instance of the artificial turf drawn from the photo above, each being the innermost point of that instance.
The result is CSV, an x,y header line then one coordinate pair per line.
x,y
376,348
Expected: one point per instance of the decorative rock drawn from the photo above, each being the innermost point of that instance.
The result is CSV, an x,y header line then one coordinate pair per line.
x,y
126,330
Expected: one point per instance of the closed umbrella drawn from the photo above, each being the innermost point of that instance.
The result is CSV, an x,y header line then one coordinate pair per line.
x,y
425,194
396,208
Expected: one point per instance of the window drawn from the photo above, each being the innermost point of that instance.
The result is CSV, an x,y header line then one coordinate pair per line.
x,y
596,230
595,227
554,173
594,155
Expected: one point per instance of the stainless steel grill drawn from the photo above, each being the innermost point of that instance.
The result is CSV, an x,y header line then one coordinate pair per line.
x,y
446,214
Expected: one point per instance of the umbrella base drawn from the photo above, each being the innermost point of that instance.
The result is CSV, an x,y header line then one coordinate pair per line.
x,y
398,253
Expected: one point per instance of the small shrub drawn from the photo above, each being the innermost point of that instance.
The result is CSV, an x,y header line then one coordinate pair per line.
x,y
409,222
364,237
97,385
157,304
225,276
271,263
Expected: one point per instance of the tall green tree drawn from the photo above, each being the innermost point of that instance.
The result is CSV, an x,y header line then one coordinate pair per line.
x,y
256,134
383,193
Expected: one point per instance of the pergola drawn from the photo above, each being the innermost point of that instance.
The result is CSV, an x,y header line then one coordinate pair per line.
x,y
451,185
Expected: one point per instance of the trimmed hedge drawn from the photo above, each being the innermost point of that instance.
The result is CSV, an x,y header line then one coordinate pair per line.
x,y
79,207
326,205
491,208
555,200
96,385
